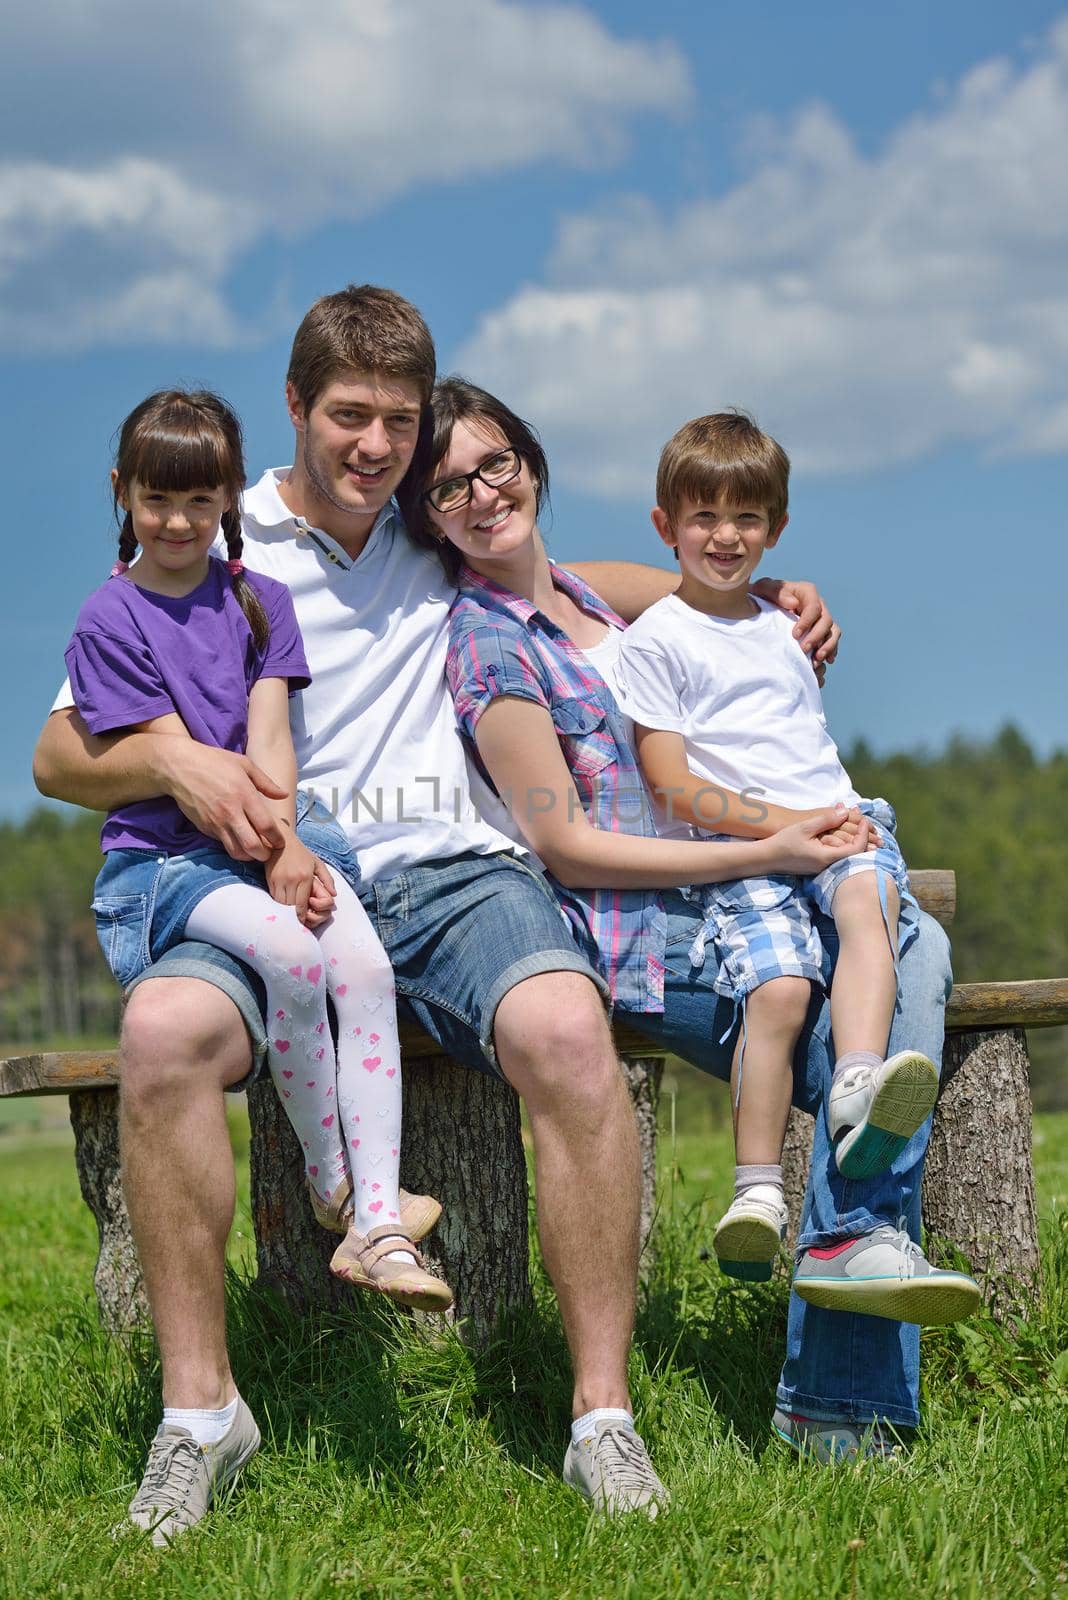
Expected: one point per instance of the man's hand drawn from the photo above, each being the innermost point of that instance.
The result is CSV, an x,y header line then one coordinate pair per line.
x,y
816,630
222,794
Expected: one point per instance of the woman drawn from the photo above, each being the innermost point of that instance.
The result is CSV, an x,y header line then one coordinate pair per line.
x,y
530,647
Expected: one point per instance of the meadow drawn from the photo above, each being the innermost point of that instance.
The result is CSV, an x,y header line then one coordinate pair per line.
x,y
399,1465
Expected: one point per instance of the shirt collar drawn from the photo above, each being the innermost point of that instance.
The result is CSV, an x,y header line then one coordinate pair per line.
x,y
517,606
263,504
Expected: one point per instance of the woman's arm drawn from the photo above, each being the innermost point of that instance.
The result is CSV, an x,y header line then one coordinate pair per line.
x,y
518,743
687,798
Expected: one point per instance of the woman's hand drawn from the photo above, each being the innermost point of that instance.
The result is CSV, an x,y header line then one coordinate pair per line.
x,y
292,875
846,831
805,848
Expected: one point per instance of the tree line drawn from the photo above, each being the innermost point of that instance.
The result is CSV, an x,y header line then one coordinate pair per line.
x,y
992,810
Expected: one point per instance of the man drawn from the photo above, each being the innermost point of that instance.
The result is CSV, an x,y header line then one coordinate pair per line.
x,y
481,955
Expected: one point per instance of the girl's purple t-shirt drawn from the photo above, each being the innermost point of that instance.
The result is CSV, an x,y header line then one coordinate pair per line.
x,y
136,655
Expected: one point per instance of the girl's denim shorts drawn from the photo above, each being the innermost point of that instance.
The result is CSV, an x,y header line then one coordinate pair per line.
x,y
142,898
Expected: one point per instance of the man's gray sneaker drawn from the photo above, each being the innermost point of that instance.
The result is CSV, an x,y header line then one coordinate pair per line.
x,y
182,1478
612,1468
838,1443
885,1274
872,1112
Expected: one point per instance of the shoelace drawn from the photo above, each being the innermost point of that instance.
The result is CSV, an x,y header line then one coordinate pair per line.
x,y
170,1473
909,1253
625,1461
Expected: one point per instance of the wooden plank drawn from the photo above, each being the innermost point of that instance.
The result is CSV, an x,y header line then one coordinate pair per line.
x,y
58,1072
973,1007
936,891
1036,1003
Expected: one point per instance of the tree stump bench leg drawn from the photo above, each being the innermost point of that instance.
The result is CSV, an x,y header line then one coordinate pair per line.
x,y
978,1186
461,1143
643,1075
120,1290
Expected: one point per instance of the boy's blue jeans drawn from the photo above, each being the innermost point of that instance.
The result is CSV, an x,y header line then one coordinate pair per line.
x,y
837,1364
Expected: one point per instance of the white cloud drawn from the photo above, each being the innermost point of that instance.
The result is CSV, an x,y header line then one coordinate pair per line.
x,y
147,147
870,310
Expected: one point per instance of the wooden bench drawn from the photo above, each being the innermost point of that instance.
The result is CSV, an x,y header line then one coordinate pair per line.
x,y
462,1143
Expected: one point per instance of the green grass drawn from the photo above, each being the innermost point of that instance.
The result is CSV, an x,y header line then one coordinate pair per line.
x,y
398,1466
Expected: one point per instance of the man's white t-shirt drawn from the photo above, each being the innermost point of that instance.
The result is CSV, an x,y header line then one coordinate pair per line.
x,y
744,697
375,733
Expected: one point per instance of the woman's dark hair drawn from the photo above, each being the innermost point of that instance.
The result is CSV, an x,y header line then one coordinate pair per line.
x,y
182,439
456,400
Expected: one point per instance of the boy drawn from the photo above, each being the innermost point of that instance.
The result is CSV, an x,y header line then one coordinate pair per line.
x,y
732,740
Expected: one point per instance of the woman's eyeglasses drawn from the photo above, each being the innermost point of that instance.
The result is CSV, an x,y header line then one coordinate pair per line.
x,y
456,492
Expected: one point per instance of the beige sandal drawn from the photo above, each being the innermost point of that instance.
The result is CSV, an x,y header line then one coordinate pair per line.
x,y
363,1261
419,1212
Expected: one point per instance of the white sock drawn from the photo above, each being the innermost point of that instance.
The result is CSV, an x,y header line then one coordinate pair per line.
x,y
207,1427
582,1427
856,1058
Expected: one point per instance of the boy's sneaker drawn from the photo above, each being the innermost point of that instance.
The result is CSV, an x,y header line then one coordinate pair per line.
x,y
749,1234
182,1478
836,1443
612,1469
885,1274
874,1111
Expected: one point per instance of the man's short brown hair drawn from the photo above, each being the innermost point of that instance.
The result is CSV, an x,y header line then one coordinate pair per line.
x,y
361,329
727,455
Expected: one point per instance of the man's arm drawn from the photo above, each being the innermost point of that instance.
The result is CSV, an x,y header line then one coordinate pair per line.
x,y
222,794
630,588
627,586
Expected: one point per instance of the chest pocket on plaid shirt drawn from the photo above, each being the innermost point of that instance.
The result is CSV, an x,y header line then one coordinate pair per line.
x,y
585,737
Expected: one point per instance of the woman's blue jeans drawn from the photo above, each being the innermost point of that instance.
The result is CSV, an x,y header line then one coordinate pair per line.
x,y
838,1365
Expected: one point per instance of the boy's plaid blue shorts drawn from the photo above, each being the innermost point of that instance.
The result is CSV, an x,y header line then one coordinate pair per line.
x,y
762,928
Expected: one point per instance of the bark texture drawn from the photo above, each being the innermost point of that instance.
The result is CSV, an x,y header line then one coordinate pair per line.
x,y
796,1156
461,1143
643,1075
120,1290
978,1187
292,1251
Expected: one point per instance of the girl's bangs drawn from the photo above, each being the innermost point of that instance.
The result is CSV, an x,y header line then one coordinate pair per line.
x,y
177,460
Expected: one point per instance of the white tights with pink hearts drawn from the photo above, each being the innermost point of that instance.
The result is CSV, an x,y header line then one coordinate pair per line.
x,y
346,1112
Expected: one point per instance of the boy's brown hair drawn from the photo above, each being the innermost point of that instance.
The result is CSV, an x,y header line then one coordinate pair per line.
x,y
724,454
362,328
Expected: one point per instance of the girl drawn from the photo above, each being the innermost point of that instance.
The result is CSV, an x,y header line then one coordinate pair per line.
x,y
185,644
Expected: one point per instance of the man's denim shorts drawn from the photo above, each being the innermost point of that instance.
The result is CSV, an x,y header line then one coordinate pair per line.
x,y
143,899
460,933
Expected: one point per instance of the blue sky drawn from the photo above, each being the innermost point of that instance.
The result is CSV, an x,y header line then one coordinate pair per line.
x,y
851,219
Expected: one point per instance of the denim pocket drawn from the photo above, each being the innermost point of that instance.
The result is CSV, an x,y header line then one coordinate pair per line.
x,y
122,928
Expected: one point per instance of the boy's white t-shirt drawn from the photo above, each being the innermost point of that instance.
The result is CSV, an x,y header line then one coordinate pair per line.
x,y
744,697
375,733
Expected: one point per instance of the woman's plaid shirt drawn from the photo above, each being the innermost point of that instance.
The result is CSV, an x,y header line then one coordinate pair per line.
x,y
500,644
